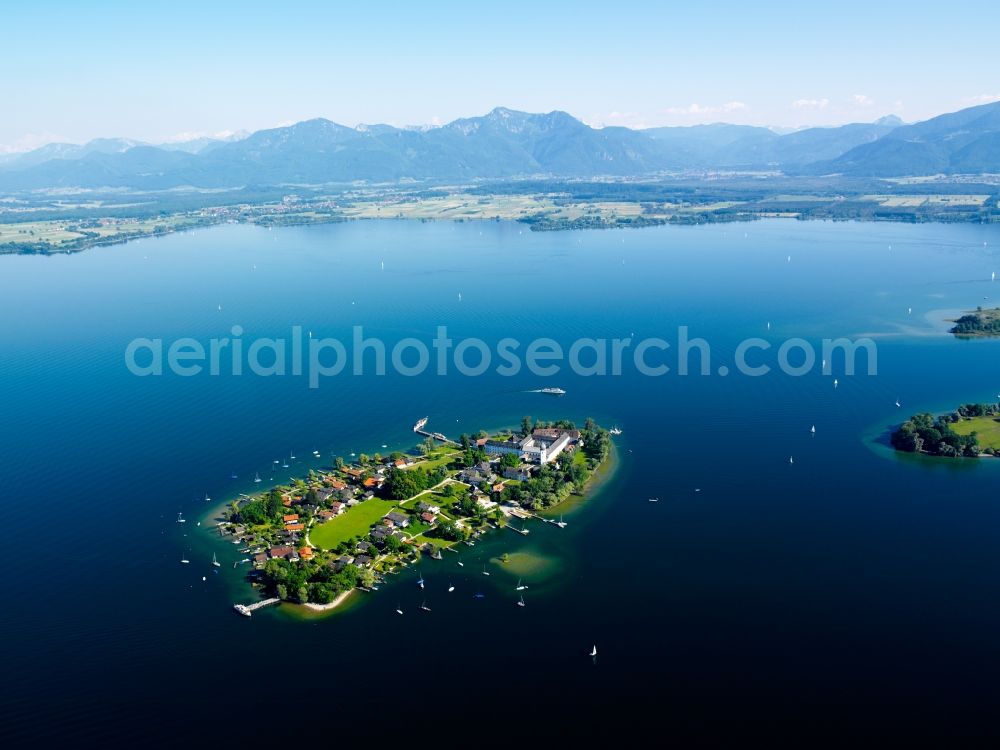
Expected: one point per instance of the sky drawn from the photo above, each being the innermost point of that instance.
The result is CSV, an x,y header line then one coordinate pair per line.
x,y
161,72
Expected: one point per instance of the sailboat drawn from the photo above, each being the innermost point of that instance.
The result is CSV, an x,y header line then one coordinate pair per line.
x,y
420,582
593,651
284,464
835,383
185,561
233,475
485,572
561,523
520,602
398,610
791,459
291,456
462,564
450,588
207,498
215,560
424,606
654,499
181,519
520,586
256,477
813,429
897,403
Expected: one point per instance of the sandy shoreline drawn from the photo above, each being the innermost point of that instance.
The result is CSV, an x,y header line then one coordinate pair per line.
x,y
332,605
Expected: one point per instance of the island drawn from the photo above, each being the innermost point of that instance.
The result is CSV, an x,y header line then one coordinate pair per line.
x,y
315,540
971,431
978,323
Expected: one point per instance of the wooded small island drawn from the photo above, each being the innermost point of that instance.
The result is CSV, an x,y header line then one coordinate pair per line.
x,y
971,431
977,323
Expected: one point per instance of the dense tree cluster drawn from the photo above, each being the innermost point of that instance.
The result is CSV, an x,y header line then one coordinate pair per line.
x,y
925,433
261,510
401,484
978,323
308,581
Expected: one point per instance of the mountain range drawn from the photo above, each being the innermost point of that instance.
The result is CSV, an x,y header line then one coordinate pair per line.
x,y
507,144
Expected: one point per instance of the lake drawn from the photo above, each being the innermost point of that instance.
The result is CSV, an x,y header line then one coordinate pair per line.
x,y
851,588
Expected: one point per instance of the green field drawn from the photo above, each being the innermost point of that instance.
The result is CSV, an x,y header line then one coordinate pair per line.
x,y
435,460
987,428
353,522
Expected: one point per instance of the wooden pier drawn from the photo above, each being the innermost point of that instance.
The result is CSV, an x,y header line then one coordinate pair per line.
x,y
439,437
248,609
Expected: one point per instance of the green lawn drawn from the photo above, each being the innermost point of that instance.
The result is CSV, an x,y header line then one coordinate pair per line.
x,y
439,543
435,461
416,528
988,429
353,522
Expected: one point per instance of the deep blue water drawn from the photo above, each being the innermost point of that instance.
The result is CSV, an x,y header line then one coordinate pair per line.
x,y
853,589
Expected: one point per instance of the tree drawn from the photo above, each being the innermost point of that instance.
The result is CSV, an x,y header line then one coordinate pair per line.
x,y
526,426
340,463
366,577
363,459
465,440
392,544
510,461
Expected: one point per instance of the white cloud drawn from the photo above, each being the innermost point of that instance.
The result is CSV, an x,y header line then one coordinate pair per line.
x,y
695,109
861,100
983,99
621,119
811,104
31,141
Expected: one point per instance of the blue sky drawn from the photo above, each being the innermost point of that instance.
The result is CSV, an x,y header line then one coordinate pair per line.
x,y
151,71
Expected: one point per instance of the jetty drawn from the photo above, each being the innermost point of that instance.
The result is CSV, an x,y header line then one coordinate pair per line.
x,y
247,610
439,437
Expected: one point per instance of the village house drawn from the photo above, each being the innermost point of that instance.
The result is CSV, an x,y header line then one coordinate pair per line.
x,y
485,503
288,553
476,476
363,561
427,517
520,473
342,562
305,553
337,508
398,519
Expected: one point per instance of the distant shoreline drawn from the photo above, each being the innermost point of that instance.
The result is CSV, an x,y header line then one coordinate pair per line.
x,y
45,232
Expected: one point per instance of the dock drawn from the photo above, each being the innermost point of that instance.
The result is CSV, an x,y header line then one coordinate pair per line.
x,y
248,609
439,437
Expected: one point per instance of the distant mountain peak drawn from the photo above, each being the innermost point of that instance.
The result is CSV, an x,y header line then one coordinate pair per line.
x,y
892,120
